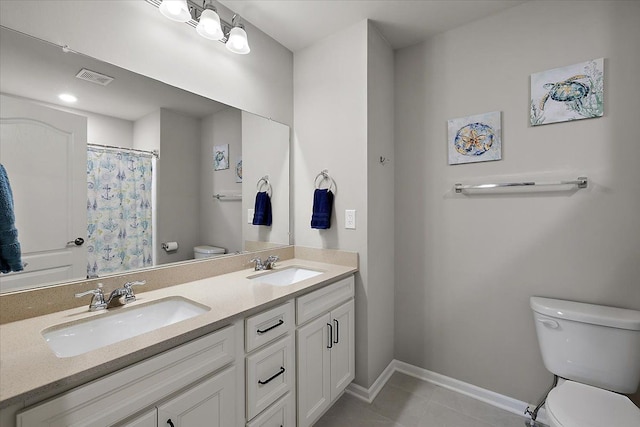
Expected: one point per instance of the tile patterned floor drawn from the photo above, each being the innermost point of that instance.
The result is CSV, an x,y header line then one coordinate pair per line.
x,y
409,402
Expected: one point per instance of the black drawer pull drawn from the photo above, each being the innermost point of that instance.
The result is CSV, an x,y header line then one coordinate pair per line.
x,y
330,336
273,377
337,340
264,331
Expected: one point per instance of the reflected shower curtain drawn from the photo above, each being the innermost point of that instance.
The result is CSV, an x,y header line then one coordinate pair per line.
x,y
119,206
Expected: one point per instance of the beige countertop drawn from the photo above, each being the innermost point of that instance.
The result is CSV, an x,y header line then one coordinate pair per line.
x,y
29,369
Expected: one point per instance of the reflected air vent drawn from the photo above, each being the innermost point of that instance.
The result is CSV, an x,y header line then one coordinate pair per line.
x,y
94,77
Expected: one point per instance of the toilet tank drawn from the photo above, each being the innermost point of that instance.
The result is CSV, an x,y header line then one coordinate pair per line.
x,y
590,344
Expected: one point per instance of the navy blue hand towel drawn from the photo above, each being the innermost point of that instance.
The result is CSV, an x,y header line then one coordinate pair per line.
x,y
322,207
10,254
262,210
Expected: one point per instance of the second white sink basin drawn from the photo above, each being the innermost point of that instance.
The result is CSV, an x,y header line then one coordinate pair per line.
x,y
286,276
80,337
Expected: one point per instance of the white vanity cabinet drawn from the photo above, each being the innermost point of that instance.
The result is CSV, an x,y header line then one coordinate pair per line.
x,y
177,383
325,348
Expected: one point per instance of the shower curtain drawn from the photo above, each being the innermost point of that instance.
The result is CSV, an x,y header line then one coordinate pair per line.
x,y
119,209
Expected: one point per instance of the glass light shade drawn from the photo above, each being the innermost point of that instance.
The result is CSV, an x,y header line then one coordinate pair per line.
x,y
238,42
176,10
209,26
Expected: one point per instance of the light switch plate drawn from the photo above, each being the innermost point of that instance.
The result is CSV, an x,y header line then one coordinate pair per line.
x,y
250,216
350,219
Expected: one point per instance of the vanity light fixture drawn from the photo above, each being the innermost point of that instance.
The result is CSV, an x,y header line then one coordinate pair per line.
x,y
207,22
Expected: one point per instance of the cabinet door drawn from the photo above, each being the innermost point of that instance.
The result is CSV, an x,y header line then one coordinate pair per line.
x,y
343,351
211,403
314,391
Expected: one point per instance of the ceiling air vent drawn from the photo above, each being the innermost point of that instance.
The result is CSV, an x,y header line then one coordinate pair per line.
x,y
94,77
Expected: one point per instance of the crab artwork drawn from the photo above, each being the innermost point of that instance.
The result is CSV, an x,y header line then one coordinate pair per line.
x,y
568,93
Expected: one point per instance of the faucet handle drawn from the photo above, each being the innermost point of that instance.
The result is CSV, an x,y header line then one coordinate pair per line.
x,y
128,285
259,265
129,296
271,261
97,302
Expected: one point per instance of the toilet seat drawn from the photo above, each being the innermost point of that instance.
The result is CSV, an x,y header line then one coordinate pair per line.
x,y
572,404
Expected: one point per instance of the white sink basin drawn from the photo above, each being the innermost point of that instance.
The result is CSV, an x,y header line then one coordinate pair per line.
x,y
286,276
76,338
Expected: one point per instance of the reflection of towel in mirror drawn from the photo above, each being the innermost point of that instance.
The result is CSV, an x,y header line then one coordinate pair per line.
x,y
322,207
262,210
10,255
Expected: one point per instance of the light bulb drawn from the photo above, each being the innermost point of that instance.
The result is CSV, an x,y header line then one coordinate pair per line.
x,y
176,10
67,97
209,25
238,42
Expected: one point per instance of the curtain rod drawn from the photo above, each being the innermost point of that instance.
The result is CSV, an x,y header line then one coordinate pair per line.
x,y
154,153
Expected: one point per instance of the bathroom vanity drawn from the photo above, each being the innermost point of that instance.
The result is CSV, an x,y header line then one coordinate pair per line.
x,y
261,355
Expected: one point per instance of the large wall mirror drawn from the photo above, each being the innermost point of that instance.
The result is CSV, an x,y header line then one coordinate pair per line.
x,y
100,184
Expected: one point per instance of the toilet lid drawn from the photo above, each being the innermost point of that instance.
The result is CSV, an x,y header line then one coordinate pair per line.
x,y
205,249
578,405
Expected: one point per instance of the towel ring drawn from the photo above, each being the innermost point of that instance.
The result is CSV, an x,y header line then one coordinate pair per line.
x,y
262,182
324,176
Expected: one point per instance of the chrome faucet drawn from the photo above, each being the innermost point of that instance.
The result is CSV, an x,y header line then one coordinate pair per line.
x,y
268,264
120,296
97,302
123,295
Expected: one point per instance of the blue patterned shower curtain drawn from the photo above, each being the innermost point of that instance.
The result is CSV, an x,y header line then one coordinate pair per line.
x,y
119,208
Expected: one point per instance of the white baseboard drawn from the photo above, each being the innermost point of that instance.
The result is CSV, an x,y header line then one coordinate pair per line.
x,y
487,396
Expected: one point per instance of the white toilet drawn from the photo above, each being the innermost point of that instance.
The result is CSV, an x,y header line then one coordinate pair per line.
x,y
597,350
206,251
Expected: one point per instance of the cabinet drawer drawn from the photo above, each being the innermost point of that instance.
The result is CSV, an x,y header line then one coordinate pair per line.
x,y
280,414
268,325
270,375
320,301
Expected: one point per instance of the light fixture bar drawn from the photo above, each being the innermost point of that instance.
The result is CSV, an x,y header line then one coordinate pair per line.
x,y
196,10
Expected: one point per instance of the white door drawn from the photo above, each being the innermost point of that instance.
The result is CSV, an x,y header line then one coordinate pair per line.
x,y
211,403
45,153
343,351
314,391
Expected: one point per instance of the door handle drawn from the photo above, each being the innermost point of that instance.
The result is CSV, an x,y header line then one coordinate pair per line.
x,y
337,340
170,422
77,242
330,335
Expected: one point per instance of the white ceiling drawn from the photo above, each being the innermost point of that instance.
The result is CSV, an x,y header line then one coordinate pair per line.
x,y
299,23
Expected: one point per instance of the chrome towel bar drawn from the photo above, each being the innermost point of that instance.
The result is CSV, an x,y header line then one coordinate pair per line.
x,y
581,182
227,196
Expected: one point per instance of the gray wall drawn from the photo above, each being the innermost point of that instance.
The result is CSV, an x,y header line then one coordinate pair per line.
x,y
219,223
466,266
266,151
334,90
178,192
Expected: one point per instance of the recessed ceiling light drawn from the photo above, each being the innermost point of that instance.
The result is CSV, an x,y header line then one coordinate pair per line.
x,y
67,97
